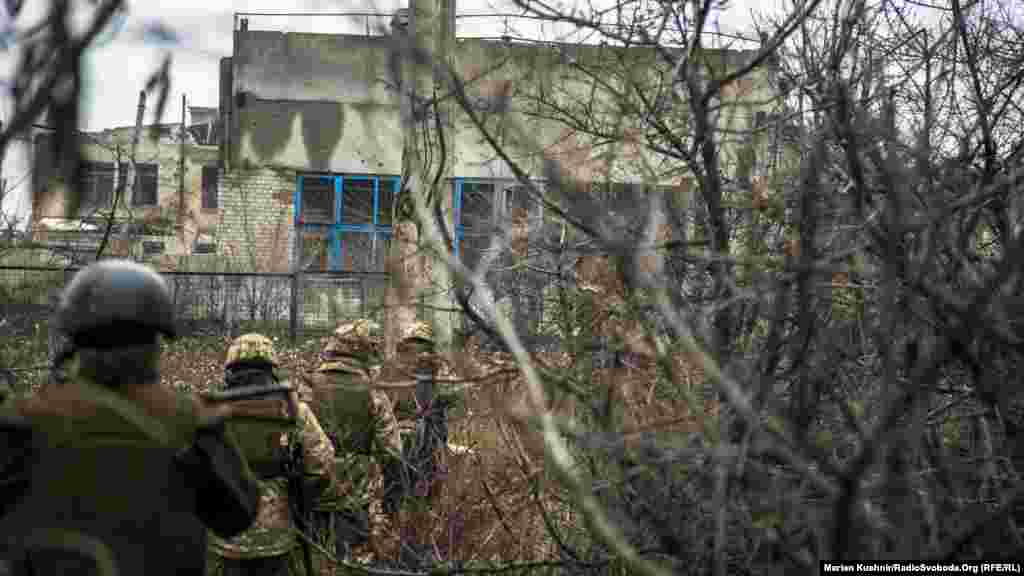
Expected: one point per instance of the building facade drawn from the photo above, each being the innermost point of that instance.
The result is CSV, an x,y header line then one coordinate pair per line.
x,y
313,140
173,210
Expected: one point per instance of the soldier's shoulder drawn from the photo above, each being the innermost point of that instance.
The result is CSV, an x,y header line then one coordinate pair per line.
x,y
305,412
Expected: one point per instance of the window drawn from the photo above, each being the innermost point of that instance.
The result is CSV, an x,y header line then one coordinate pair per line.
x,y
96,185
317,200
315,250
346,221
357,206
210,179
204,247
481,207
152,248
146,183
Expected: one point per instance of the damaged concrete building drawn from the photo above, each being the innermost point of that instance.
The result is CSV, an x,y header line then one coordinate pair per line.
x,y
313,138
305,149
172,212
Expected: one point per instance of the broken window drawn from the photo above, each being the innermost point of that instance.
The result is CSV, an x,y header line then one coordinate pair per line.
x,y
318,200
96,185
519,203
210,178
146,183
476,212
475,208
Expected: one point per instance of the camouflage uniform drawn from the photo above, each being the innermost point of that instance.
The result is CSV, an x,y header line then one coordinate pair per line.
x,y
416,354
268,545
115,473
367,434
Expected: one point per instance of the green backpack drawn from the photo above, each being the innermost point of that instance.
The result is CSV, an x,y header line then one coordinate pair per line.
x,y
48,528
260,414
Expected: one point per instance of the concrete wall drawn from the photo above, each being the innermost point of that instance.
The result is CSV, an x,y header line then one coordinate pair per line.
x,y
318,102
296,103
49,194
313,102
256,230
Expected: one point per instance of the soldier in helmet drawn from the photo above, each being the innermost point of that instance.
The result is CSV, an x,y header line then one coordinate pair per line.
x,y
117,474
367,436
267,547
417,357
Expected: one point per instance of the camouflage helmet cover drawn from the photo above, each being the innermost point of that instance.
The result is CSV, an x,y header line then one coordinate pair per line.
x,y
362,329
418,330
354,339
252,347
416,346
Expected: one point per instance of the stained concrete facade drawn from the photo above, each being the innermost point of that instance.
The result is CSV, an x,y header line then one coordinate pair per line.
x,y
323,103
295,104
177,222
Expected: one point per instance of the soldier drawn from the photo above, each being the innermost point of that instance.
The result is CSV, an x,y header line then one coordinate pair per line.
x,y
422,438
268,546
115,472
367,436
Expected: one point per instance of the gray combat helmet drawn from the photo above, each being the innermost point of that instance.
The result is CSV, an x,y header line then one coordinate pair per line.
x,y
116,303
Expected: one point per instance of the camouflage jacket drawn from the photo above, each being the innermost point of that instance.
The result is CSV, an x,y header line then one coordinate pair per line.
x,y
367,431
119,492
272,533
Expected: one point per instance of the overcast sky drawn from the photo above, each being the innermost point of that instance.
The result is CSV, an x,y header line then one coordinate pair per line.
x,y
118,68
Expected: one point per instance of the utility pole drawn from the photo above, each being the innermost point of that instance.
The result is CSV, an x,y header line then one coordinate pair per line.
x,y
181,177
129,183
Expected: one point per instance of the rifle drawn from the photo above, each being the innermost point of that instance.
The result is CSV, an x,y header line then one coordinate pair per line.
x,y
431,433
266,402
295,471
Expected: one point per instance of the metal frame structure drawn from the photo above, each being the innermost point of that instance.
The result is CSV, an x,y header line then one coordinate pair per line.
x,y
334,230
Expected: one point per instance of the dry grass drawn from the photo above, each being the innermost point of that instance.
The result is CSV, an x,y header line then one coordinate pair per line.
x,y
487,505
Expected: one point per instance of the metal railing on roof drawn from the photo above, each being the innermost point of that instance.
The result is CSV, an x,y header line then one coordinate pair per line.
x,y
506,33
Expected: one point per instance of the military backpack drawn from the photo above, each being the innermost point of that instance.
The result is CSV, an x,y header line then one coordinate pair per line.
x,y
264,421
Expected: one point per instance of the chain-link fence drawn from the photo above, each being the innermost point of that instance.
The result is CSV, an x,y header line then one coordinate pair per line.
x,y
219,302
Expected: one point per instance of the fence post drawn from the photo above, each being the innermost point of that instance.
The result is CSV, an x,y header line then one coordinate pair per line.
x,y
293,316
362,296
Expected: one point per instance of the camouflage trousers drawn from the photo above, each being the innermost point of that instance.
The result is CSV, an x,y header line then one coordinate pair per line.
x,y
284,565
346,536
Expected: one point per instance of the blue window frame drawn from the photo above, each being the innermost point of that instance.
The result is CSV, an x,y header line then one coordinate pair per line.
x,y
350,218
480,205
475,214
